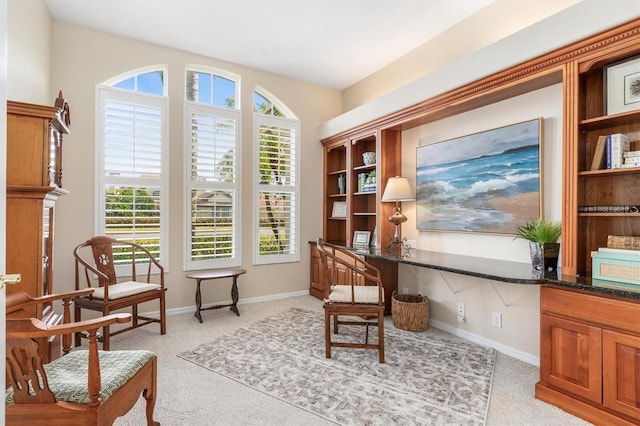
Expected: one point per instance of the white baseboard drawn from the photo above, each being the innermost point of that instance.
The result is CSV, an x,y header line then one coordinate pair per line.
x,y
507,350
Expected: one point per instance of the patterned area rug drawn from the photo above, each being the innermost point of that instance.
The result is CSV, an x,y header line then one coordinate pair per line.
x,y
426,379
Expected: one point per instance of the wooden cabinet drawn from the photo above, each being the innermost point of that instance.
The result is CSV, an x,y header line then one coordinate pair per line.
x,y
34,183
353,189
586,120
590,356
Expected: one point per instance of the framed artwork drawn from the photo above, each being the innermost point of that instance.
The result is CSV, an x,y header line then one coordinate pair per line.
x,y
339,209
361,238
622,86
486,182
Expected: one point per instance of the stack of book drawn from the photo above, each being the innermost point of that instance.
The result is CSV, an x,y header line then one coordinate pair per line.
x,y
609,152
631,159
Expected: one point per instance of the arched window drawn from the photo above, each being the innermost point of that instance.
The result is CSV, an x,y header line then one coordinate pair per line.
x,y
131,158
212,169
212,86
277,174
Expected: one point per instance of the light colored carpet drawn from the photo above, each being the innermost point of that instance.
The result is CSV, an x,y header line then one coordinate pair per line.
x,y
186,396
425,380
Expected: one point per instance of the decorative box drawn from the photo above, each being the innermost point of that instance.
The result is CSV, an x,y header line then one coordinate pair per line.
x,y
616,265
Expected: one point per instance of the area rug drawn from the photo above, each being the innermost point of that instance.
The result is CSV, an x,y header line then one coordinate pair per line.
x,y
426,379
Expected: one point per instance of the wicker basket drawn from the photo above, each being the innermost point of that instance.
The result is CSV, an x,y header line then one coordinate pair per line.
x,y
410,312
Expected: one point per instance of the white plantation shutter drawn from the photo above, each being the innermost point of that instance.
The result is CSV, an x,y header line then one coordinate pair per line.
x,y
213,172
277,216
131,164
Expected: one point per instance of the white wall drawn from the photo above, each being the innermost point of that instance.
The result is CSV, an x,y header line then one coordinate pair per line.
x,y
83,58
518,304
29,52
494,22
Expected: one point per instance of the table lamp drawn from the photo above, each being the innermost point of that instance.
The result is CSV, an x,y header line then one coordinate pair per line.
x,y
398,189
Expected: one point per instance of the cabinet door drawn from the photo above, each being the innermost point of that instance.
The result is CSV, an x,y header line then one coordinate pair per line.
x,y
621,368
571,357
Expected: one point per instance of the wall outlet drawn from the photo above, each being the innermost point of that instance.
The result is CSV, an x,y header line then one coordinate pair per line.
x,y
460,309
496,319
405,290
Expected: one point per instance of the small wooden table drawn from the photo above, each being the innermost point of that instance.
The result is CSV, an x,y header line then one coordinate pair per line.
x,y
214,274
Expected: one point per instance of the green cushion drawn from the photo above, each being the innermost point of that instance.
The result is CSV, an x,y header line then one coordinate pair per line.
x,y
67,375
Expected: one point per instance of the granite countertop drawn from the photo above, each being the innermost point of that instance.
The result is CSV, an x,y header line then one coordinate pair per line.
x,y
500,270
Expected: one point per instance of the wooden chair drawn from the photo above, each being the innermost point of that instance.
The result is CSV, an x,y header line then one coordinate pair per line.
x,y
355,291
95,262
83,387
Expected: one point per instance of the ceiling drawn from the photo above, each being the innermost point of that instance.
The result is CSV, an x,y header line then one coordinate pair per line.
x,y
334,43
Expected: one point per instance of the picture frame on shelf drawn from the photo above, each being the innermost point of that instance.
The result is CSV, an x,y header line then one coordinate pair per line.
x,y
339,209
361,238
622,86
374,237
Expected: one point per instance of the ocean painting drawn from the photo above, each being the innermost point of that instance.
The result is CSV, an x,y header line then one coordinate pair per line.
x,y
486,182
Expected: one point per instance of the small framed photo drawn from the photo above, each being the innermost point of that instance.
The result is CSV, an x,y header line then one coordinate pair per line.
x,y
339,209
622,86
361,238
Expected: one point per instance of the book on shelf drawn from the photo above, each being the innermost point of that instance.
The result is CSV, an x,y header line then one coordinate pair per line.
x,y
631,154
609,209
631,162
598,161
626,242
615,145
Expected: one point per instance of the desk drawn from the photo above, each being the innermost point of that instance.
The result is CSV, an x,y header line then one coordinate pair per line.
x,y
493,269
214,274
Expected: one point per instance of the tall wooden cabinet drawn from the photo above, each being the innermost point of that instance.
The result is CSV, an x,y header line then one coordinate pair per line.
x,y
586,119
353,189
34,183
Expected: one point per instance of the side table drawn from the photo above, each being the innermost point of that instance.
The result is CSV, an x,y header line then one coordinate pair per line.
x,y
214,274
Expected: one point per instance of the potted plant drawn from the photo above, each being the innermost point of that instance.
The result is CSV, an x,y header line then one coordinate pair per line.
x,y
543,236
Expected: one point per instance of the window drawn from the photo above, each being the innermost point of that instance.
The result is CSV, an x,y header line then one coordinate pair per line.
x,y
131,166
149,82
212,169
276,219
216,87
263,105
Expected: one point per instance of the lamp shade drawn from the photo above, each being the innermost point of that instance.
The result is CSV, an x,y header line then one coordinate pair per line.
x,y
398,189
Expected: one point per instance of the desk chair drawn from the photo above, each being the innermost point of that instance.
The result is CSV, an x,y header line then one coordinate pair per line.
x,y
356,291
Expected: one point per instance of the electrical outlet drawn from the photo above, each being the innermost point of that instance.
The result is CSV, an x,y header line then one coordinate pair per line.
x,y
405,290
496,319
460,309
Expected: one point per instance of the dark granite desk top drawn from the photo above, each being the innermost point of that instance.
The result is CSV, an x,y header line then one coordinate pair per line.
x,y
501,270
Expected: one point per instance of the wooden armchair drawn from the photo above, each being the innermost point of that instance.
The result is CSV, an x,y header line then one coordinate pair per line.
x,y
95,268
83,387
355,291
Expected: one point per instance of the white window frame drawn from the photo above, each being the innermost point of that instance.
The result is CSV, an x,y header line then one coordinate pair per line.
x,y
293,123
214,72
229,113
109,93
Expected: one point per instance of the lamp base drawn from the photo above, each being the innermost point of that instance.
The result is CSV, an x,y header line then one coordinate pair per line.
x,y
398,247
